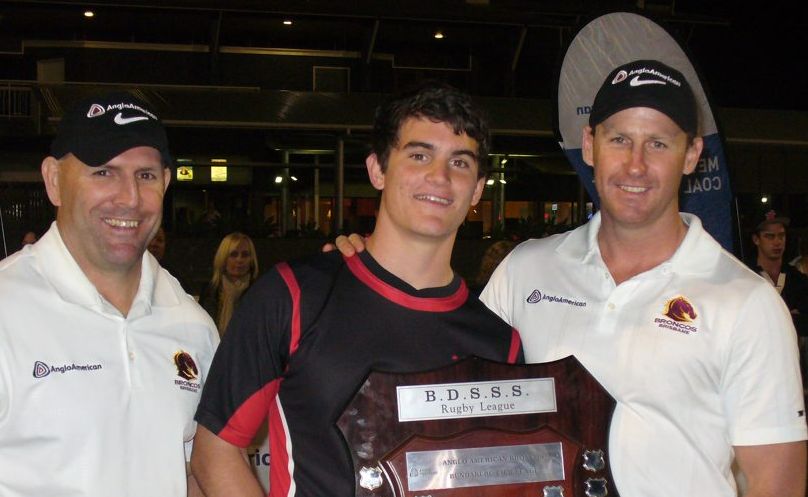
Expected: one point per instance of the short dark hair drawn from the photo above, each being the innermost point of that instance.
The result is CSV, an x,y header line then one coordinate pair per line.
x,y
437,102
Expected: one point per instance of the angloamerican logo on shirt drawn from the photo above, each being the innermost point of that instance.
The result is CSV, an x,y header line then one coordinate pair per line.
x,y
679,313
42,369
536,296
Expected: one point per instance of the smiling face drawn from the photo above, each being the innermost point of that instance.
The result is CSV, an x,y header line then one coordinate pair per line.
x,y
108,214
430,181
639,156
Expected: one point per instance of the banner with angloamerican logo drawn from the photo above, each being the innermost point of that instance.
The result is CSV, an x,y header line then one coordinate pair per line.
x,y
615,39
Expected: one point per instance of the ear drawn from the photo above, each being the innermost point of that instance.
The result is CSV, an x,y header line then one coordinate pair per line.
x,y
375,172
50,174
166,178
693,155
756,239
587,138
478,191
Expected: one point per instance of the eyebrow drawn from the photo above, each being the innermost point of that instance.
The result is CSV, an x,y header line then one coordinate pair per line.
x,y
429,146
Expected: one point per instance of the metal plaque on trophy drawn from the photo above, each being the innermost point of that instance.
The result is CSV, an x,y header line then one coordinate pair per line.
x,y
481,428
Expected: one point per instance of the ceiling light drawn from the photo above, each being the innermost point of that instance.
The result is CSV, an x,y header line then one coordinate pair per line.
x,y
293,178
287,22
438,35
503,162
764,199
489,182
89,13
502,180
278,179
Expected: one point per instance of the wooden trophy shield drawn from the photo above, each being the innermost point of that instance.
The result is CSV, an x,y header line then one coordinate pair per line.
x,y
481,428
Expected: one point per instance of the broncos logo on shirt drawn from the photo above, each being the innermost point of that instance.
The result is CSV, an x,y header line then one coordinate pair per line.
x,y
679,309
186,367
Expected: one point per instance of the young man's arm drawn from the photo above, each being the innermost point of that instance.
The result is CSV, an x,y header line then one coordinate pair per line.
x,y
773,470
193,486
220,468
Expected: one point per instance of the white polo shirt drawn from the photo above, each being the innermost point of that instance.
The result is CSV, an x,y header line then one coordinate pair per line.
x,y
92,403
700,353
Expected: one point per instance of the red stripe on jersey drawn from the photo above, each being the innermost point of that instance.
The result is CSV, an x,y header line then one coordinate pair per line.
x,y
281,466
516,344
243,424
294,290
442,304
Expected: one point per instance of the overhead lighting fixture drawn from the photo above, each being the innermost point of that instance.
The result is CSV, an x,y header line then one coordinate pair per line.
x,y
89,13
764,199
293,178
489,182
218,173
185,173
502,180
278,179
287,22
503,161
438,35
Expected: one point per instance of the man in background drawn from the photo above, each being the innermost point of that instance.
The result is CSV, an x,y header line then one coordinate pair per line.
x,y
103,355
770,242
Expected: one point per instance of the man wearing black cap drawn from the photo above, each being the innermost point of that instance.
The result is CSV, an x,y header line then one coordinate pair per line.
x,y
770,241
103,354
699,353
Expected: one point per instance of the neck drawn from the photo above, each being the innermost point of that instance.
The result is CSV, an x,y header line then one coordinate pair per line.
x,y
234,279
771,266
117,285
629,252
422,263
119,289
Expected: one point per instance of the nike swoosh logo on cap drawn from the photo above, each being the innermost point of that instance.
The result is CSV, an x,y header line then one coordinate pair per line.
x,y
119,119
636,81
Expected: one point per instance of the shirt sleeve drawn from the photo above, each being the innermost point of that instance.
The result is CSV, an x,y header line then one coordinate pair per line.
x,y
249,363
762,387
497,292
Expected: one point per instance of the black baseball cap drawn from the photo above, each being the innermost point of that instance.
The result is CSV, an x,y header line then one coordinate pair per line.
x,y
647,83
100,128
770,218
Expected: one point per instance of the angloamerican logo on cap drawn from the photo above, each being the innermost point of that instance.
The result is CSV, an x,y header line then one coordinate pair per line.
x,y
96,110
678,312
649,77
620,76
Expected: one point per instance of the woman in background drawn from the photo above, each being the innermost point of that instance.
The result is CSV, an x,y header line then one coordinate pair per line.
x,y
235,267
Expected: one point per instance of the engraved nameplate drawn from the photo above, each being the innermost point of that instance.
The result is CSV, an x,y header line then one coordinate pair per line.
x,y
477,467
476,399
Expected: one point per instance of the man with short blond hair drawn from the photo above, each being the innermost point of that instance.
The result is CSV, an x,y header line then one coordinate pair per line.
x,y
699,353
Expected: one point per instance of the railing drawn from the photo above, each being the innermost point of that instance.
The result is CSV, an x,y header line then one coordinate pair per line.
x,y
16,101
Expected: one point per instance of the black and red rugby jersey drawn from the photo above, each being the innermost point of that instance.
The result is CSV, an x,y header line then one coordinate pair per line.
x,y
304,338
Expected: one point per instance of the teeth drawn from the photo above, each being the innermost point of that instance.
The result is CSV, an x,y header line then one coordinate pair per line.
x,y
122,223
633,189
432,198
